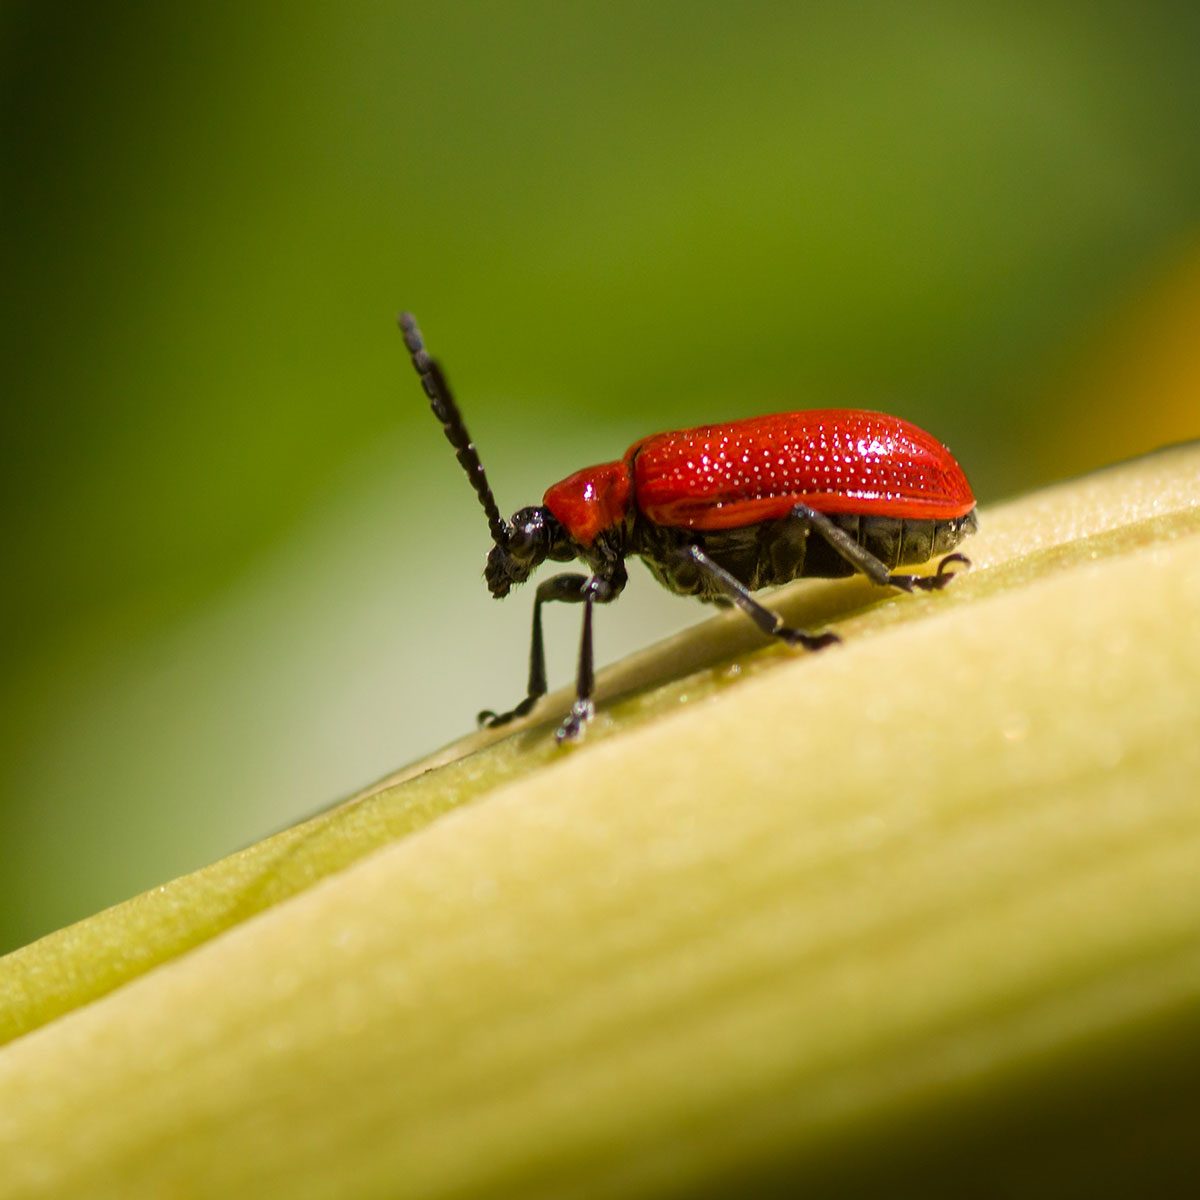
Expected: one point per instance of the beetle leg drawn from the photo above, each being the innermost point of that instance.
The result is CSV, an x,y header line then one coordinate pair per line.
x,y
569,588
597,590
771,623
584,707
863,560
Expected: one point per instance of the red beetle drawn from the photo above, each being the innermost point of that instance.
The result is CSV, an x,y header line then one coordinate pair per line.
x,y
720,511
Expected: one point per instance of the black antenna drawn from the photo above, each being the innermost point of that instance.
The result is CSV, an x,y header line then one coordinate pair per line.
x,y
442,402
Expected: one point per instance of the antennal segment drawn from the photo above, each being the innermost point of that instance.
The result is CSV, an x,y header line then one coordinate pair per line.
x,y
441,400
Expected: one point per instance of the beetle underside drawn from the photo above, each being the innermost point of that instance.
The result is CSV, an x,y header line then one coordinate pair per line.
x,y
777,552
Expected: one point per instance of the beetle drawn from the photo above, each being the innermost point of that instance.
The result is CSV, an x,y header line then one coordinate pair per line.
x,y
719,512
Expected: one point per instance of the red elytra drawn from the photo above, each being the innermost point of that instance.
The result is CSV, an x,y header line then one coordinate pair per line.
x,y
739,473
720,512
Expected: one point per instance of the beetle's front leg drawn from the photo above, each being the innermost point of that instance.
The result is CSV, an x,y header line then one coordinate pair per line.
x,y
597,591
568,588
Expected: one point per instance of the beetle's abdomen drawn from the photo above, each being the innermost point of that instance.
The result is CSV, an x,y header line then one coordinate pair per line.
x,y
834,460
775,552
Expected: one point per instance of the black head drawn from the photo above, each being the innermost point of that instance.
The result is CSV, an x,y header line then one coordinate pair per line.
x,y
533,535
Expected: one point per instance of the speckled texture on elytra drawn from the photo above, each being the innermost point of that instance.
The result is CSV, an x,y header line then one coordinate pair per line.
x,y
836,460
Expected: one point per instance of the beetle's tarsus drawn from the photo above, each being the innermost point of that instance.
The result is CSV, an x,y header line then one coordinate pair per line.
x,y
810,641
930,583
492,720
582,711
951,558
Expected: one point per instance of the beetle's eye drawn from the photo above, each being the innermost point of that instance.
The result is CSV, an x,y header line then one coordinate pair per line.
x,y
521,541
526,535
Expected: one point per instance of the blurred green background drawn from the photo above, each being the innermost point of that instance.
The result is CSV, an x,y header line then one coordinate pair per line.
x,y
242,570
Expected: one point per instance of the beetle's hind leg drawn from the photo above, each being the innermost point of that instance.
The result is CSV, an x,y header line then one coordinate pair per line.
x,y
771,623
861,559
934,582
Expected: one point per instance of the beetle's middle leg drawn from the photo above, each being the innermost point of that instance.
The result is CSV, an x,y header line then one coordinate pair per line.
x,y
771,623
863,560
